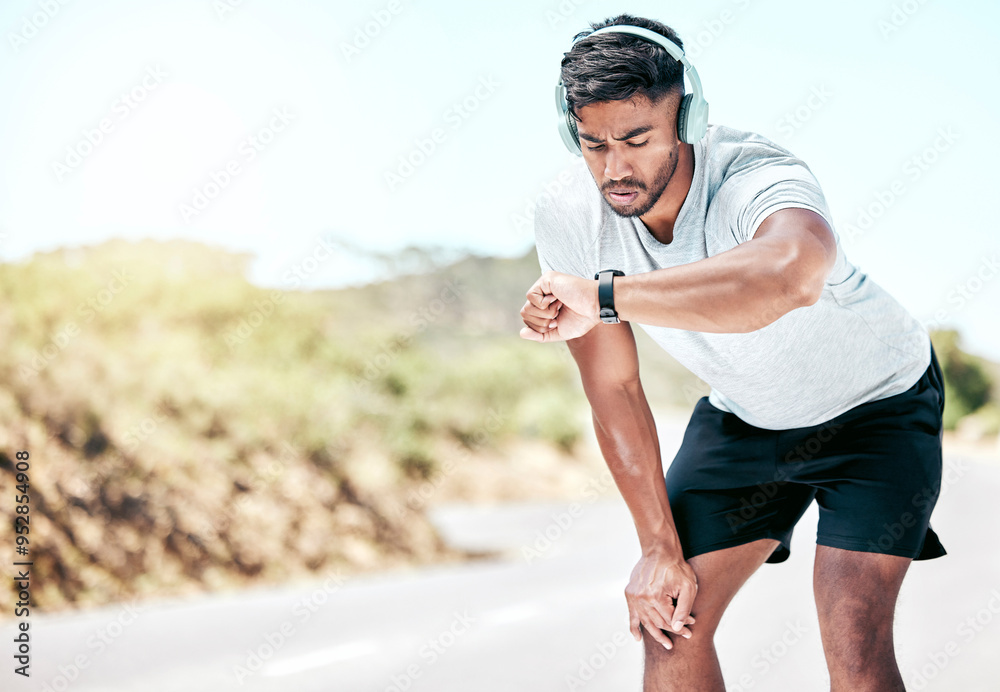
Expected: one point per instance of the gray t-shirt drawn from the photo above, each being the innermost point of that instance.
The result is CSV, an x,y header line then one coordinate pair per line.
x,y
856,344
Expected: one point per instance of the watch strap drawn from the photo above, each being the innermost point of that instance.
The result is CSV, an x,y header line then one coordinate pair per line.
x,y
606,296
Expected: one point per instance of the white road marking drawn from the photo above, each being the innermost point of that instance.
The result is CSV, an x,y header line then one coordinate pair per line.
x,y
515,613
318,659
497,616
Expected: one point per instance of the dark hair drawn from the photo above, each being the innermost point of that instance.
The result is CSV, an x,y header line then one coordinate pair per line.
x,y
615,66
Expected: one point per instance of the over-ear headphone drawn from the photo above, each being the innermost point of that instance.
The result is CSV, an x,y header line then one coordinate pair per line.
x,y
692,117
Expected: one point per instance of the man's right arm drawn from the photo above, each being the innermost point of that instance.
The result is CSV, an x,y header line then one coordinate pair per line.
x,y
626,432
609,367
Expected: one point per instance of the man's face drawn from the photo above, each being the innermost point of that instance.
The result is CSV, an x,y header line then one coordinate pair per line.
x,y
631,147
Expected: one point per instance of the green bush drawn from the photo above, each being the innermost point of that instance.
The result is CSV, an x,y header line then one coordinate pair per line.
x,y
968,385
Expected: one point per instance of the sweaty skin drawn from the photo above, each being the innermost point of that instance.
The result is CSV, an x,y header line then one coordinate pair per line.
x,y
632,146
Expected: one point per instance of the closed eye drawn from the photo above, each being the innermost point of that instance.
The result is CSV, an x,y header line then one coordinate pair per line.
x,y
601,146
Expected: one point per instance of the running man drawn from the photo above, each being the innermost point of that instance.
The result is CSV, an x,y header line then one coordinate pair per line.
x,y
719,244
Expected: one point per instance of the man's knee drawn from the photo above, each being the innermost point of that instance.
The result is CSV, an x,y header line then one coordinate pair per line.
x,y
720,575
701,637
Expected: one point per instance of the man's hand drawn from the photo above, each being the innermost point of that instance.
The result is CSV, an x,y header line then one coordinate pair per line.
x,y
560,307
657,580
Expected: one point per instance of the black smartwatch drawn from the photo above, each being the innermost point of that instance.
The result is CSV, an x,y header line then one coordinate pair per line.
x,y
606,294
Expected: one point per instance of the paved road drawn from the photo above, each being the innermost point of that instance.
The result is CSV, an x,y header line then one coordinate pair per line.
x,y
532,622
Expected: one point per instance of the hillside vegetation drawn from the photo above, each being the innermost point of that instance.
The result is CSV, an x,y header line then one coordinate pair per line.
x,y
190,431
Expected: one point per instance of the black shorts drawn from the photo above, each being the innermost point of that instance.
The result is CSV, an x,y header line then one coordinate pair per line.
x,y
874,470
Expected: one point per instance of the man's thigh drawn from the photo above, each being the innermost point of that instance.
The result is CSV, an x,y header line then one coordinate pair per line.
x,y
725,488
856,595
721,574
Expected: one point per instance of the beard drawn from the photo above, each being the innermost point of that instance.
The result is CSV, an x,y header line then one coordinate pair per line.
x,y
647,197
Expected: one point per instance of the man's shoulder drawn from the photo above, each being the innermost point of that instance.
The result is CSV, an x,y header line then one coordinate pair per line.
x,y
745,163
730,150
752,177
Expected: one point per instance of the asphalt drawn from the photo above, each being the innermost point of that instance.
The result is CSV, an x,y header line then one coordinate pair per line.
x,y
547,614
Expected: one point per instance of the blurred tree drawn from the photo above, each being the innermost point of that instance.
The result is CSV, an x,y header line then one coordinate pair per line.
x,y
966,381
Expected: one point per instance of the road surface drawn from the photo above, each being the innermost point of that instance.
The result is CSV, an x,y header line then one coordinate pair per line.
x,y
548,615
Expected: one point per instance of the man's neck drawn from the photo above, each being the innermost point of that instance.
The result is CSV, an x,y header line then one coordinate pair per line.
x,y
660,219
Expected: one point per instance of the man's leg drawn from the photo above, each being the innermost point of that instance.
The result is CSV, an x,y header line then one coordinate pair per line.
x,y
856,600
692,665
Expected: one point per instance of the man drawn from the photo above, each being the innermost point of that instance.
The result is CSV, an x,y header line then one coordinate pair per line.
x,y
822,385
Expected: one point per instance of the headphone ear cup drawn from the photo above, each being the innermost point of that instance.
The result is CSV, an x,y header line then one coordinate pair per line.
x,y
684,117
568,133
571,124
565,122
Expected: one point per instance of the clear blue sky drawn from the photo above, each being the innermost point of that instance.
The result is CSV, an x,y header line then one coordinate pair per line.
x,y
857,89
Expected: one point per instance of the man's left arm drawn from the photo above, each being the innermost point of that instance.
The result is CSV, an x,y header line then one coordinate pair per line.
x,y
783,267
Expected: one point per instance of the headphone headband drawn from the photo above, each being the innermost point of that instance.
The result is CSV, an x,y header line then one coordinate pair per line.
x,y
692,116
